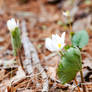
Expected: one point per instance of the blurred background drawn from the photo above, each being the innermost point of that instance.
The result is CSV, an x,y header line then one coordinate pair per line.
x,y
44,18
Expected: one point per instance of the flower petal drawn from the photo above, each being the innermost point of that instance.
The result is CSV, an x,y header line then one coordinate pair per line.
x,y
56,43
48,44
12,24
63,37
66,13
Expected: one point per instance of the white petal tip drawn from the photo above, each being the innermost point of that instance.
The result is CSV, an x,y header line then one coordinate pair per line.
x,y
12,24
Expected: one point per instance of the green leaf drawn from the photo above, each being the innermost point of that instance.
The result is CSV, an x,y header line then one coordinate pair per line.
x,y
16,40
80,39
67,47
70,64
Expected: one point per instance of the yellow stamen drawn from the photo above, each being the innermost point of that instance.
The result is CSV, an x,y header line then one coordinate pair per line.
x,y
59,45
68,13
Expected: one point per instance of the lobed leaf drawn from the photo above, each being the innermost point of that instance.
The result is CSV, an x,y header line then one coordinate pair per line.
x,y
80,39
70,64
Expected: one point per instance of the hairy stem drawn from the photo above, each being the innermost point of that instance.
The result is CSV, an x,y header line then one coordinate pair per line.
x,y
77,84
61,53
70,25
82,80
20,59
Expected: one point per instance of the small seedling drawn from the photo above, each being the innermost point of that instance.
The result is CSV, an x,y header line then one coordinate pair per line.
x,y
13,27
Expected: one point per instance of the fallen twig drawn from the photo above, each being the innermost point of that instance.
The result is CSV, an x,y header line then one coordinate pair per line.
x,y
26,44
86,83
35,59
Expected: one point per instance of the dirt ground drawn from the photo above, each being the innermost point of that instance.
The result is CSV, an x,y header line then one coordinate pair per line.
x,y
42,18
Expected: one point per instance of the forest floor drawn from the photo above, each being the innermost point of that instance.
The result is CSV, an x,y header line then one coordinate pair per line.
x,y
40,19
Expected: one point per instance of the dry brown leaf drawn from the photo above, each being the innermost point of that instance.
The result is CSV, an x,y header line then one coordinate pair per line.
x,y
52,72
20,74
2,74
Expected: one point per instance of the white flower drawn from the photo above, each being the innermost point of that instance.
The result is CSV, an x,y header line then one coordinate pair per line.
x,y
66,13
56,43
12,24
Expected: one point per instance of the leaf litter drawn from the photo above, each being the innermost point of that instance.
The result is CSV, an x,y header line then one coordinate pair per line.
x,y
36,14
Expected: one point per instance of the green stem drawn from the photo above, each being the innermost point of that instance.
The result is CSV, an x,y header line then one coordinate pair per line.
x,y
82,80
70,26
